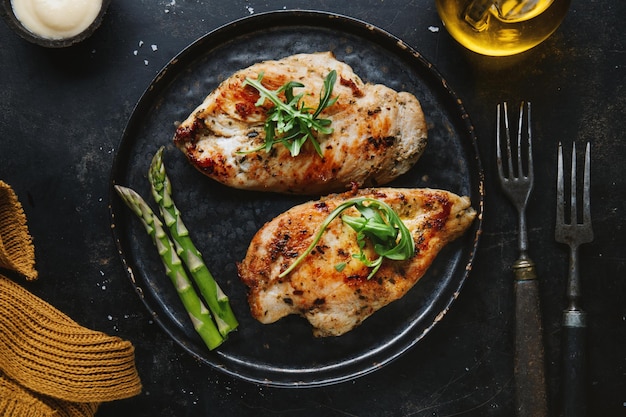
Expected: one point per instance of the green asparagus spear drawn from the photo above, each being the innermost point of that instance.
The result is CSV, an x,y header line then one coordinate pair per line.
x,y
199,314
215,298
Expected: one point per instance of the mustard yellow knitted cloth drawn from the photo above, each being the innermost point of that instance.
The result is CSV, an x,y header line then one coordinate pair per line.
x,y
49,364
17,252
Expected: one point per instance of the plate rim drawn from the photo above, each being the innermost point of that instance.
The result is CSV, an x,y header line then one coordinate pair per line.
x,y
285,18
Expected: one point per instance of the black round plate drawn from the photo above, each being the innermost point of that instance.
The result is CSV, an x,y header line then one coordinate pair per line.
x,y
223,220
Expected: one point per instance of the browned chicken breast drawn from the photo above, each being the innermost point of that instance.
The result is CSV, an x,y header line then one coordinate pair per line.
x,y
378,134
334,301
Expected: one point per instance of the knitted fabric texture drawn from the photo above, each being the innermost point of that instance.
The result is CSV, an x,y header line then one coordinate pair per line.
x,y
49,353
49,364
17,401
16,249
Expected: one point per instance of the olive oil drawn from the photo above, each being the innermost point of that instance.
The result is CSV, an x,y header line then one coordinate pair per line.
x,y
501,27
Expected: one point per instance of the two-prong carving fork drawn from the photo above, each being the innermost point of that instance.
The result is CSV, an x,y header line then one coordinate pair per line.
x,y
529,368
573,233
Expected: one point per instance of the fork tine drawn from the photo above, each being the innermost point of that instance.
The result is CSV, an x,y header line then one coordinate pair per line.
x,y
586,187
498,146
507,134
530,174
520,124
560,196
573,204
502,113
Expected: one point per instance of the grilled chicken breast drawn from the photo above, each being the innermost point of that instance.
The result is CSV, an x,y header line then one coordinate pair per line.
x,y
378,134
333,301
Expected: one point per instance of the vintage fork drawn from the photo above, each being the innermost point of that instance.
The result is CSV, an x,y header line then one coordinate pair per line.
x,y
573,233
529,368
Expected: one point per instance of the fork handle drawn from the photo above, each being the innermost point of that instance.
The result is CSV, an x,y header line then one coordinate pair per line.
x,y
529,367
574,363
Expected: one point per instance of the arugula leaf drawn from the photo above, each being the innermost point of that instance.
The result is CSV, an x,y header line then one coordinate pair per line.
x,y
378,223
290,122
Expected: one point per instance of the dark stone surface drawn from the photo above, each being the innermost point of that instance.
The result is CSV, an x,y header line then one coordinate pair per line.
x,y
62,114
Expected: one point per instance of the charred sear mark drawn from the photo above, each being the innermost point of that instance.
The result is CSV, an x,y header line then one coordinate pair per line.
x,y
443,206
189,133
372,112
319,249
421,243
245,109
379,194
321,206
319,301
384,142
288,301
212,166
356,91
278,245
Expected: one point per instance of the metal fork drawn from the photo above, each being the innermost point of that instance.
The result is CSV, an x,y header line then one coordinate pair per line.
x,y
529,368
573,233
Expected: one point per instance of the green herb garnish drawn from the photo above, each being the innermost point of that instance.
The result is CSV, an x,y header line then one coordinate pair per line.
x,y
291,122
378,223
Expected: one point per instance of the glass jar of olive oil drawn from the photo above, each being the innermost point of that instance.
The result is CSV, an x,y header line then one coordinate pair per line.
x,y
501,27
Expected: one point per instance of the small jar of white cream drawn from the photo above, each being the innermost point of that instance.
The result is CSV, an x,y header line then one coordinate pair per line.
x,y
56,21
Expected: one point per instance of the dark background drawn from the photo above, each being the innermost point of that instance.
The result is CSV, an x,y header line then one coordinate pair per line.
x,y
62,114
